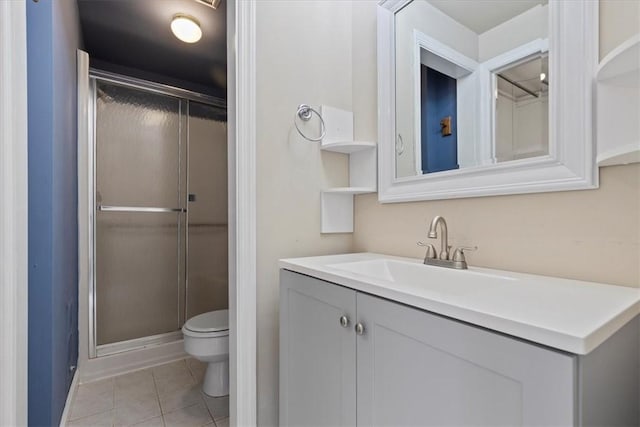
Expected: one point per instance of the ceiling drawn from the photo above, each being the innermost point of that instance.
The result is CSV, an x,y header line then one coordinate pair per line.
x,y
135,35
480,16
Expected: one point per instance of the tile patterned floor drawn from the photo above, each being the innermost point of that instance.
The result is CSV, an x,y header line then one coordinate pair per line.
x,y
167,395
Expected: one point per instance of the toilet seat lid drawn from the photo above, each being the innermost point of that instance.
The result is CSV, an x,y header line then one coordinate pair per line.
x,y
213,321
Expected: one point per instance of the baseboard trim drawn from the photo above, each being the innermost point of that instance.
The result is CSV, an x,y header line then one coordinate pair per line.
x,y
70,396
122,363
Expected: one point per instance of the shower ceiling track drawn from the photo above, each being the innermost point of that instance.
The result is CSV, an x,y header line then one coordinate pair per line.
x,y
155,87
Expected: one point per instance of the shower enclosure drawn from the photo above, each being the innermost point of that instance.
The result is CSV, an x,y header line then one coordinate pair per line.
x,y
160,238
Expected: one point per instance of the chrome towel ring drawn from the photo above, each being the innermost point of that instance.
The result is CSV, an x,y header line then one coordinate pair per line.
x,y
305,112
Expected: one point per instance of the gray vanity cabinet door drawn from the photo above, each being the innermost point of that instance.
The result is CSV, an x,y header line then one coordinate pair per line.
x,y
416,368
317,353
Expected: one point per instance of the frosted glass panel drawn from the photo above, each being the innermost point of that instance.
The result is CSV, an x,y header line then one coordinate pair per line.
x,y
140,162
137,269
137,147
207,264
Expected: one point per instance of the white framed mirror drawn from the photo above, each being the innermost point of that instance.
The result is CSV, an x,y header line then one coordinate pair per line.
x,y
480,98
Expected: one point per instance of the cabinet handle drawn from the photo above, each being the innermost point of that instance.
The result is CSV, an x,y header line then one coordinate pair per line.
x,y
344,321
359,329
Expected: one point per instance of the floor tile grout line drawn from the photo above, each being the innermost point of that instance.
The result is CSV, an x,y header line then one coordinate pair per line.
x,y
147,419
155,393
193,376
113,401
196,404
184,360
70,420
203,399
88,416
155,387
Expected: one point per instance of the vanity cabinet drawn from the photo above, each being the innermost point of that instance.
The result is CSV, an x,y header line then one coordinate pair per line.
x,y
317,354
409,367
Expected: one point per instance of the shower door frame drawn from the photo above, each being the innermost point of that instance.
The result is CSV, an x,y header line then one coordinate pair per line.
x,y
97,75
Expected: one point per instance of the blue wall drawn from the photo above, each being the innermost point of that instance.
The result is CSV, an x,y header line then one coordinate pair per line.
x,y
53,35
438,93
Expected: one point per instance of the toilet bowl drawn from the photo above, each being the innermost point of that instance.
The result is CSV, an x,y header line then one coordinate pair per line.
x,y
206,338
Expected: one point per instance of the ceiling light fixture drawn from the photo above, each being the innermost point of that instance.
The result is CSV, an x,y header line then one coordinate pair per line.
x,y
542,76
186,28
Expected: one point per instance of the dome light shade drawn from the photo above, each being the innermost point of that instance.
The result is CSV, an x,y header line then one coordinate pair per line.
x,y
186,28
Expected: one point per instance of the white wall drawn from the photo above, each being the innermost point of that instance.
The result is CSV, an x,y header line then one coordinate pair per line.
x,y
517,31
530,127
304,55
504,128
521,127
619,20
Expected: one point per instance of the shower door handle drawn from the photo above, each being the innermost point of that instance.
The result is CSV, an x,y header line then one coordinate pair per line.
x,y
103,208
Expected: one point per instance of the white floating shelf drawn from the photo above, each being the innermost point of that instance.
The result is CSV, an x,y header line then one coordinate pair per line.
x,y
348,147
618,105
621,156
350,190
337,203
620,61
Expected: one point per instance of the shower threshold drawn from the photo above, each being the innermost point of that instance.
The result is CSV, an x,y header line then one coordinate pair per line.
x,y
137,343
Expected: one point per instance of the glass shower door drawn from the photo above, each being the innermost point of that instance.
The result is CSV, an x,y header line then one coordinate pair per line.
x,y
140,167
207,225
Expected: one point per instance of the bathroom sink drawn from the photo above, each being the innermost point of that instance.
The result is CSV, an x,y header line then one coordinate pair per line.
x,y
569,315
436,279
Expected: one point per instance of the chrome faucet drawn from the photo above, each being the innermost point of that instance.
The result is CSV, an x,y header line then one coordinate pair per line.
x,y
445,258
433,234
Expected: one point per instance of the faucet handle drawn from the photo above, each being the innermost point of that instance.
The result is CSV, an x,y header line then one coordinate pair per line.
x,y
458,254
431,250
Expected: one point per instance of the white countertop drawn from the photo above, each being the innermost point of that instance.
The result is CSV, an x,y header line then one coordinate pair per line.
x,y
569,315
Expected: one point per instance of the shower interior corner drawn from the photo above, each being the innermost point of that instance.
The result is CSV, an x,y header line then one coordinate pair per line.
x,y
158,220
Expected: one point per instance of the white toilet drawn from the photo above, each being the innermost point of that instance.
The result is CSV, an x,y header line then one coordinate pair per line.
x,y
206,338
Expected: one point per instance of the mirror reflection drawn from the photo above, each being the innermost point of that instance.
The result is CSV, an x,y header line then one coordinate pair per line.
x,y
472,84
522,110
